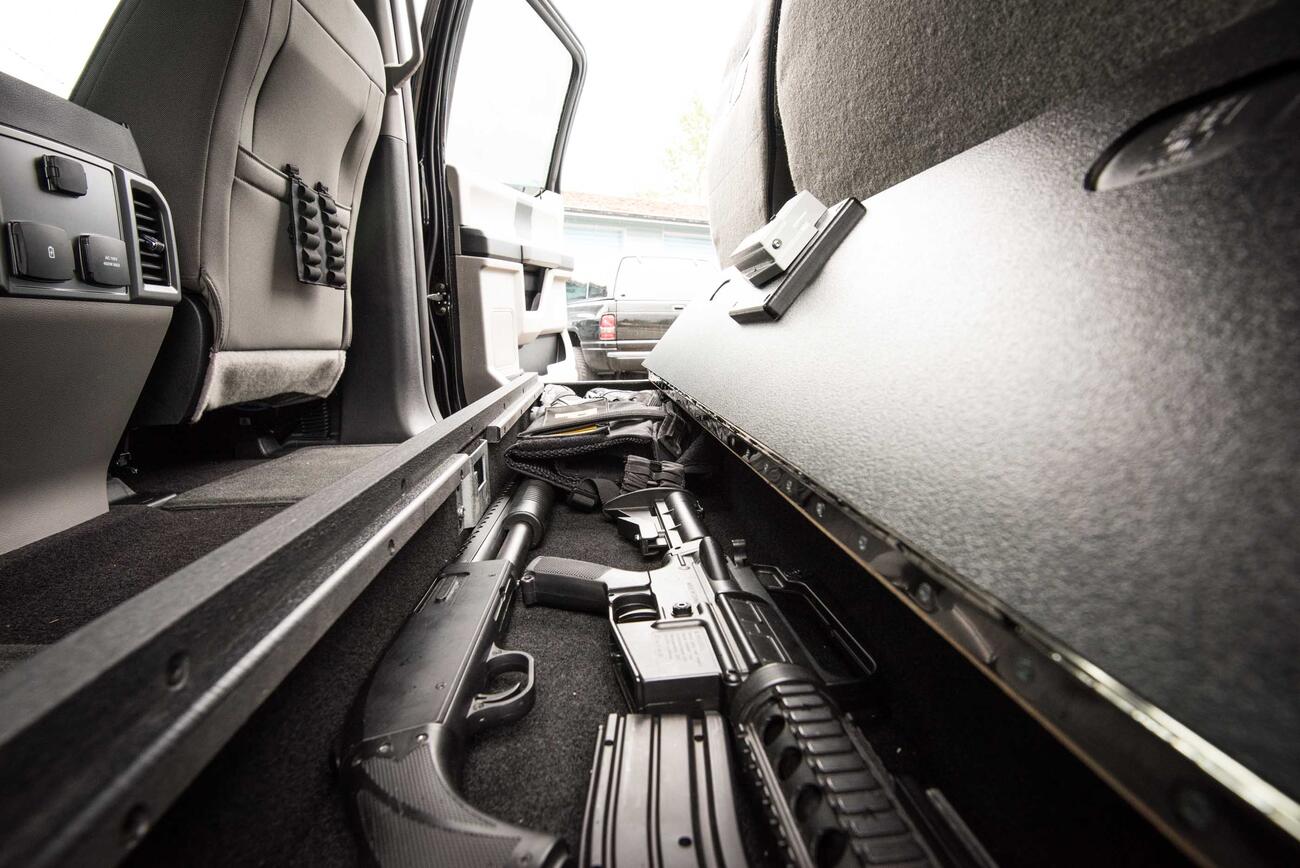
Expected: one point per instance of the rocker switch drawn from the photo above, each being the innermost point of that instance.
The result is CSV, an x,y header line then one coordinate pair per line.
x,y
39,251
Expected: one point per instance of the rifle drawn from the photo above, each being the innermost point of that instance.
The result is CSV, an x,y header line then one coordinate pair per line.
x,y
429,695
710,633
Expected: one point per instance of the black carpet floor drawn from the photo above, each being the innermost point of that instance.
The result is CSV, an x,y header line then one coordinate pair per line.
x,y
270,796
283,480
534,772
177,477
53,586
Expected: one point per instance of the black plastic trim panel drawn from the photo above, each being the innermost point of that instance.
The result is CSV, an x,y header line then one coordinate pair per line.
x,y
102,731
44,114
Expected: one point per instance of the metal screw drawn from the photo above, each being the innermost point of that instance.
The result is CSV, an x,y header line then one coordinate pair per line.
x,y
422,738
925,594
776,243
178,670
136,825
820,509
862,543
384,749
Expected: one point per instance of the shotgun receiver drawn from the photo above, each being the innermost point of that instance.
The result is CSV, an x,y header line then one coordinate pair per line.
x,y
706,632
430,694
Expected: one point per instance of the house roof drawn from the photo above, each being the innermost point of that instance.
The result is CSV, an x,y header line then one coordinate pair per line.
x,y
636,206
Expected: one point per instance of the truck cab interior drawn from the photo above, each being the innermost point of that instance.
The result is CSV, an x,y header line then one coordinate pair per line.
x,y
958,525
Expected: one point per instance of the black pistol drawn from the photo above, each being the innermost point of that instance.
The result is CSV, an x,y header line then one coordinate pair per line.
x,y
430,694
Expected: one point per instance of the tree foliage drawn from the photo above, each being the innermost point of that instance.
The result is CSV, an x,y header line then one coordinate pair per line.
x,y
685,156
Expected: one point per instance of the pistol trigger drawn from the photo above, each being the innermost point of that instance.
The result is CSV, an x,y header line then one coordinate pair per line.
x,y
510,702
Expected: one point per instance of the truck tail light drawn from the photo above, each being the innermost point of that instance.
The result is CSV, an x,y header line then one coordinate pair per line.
x,y
608,328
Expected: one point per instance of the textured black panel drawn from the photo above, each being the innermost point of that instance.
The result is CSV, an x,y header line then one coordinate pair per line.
x,y
1085,403
29,108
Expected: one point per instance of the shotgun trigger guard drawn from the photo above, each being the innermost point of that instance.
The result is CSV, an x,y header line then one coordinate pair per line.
x,y
509,703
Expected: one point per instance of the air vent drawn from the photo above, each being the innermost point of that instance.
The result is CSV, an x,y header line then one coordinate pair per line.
x,y
153,244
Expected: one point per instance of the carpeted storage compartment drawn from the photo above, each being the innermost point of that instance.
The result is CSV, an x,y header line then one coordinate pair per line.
x,y
945,732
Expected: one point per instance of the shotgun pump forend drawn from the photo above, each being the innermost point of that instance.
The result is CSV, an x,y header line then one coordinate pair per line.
x,y
704,633
430,694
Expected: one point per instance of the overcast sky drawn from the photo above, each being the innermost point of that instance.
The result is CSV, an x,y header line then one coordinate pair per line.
x,y
646,60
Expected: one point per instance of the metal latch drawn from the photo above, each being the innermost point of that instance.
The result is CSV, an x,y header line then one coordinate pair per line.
x,y
789,252
472,495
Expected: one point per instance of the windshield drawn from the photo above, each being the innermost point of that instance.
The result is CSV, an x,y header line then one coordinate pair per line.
x,y
655,277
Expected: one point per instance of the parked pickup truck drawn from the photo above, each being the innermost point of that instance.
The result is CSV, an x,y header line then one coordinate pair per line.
x,y
616,329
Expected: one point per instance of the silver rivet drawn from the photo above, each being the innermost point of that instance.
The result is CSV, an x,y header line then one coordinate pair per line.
x,y
925,594
862,543
136,825
776,243
820,509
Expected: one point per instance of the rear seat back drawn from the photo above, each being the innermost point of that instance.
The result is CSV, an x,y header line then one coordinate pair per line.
x,y
872,93
221,98
745,159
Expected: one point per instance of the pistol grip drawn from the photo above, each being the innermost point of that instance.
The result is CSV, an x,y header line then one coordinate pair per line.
x,y
565,583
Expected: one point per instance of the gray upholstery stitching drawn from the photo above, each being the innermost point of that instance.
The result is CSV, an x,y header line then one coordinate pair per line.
x,y
340,44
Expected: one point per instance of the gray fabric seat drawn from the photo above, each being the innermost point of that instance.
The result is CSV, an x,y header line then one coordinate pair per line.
x,y
743,148
235,92
868,94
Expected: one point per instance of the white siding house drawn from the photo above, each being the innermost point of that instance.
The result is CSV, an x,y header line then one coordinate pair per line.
x,y
600,230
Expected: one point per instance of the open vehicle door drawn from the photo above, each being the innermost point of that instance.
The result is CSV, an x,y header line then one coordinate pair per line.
x,y
495,139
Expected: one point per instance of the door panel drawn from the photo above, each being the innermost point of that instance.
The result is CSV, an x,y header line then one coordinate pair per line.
x,y
510,278
517,83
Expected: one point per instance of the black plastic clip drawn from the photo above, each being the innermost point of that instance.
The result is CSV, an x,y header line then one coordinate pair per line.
x,y
832,229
